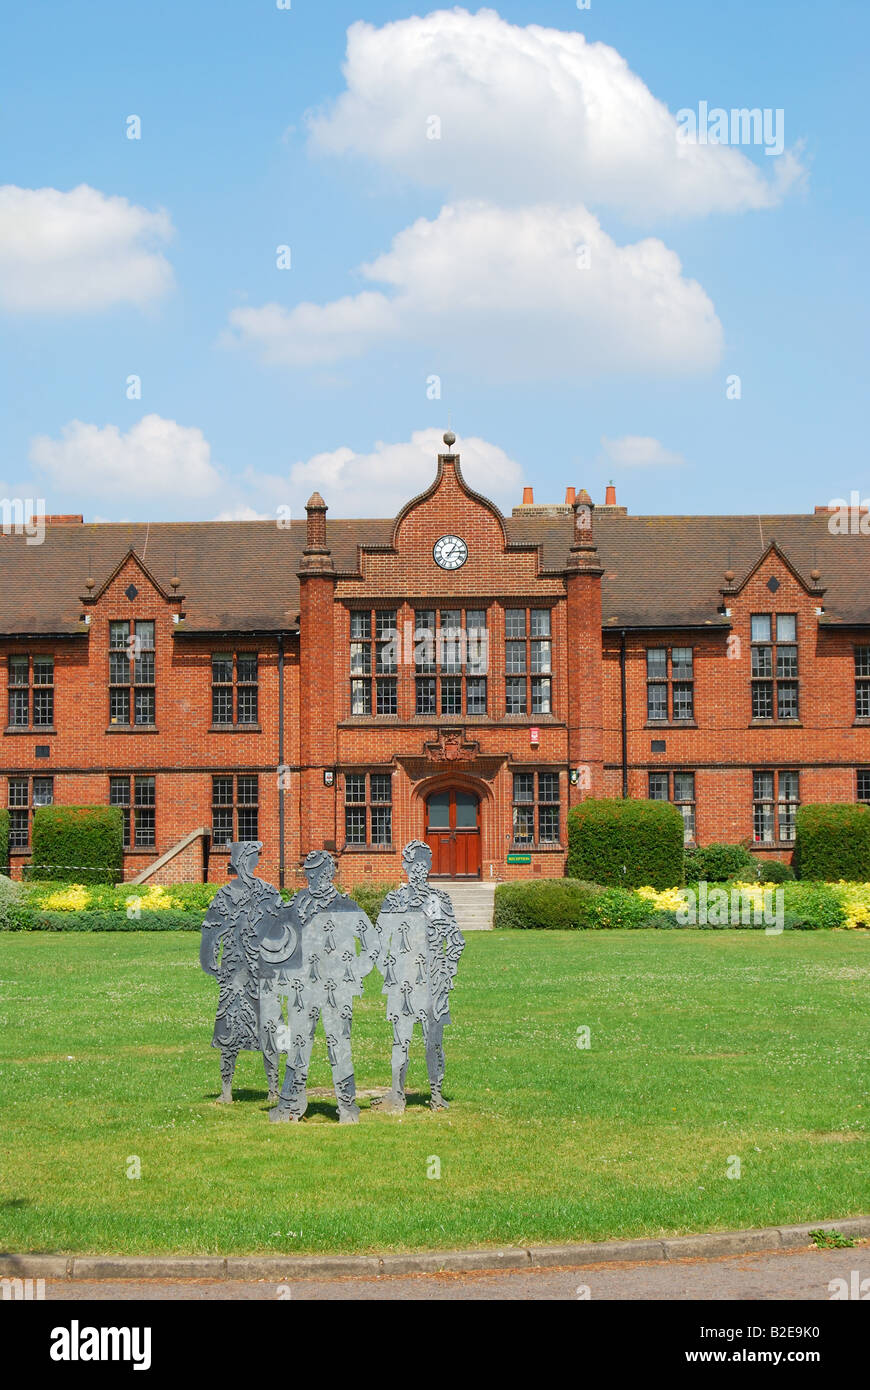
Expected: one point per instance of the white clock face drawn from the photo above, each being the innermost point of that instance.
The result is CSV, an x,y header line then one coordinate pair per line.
x,y
450,553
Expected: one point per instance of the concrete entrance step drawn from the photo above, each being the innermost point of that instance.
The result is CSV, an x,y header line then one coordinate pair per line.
x,y
473,902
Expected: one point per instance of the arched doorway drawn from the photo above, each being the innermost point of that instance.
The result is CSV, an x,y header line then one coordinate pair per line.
x,y
453,832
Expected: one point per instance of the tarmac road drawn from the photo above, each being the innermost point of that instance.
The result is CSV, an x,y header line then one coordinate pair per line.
x,y
780,1275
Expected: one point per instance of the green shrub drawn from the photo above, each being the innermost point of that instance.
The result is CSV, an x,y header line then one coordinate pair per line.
x,y
796,921
832,842
82,844
719,863
817,903
21,918
774,871
626,844
10,896
370,897
615,908
4,840
550,904
663,920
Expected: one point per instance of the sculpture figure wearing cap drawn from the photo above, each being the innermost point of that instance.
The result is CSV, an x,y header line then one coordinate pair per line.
x,y
310,967
419,948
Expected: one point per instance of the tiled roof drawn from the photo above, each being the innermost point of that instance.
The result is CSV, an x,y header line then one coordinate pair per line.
x,y
241,576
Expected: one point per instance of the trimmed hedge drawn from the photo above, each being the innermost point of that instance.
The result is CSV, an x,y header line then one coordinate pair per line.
x,y
551,904
81,844
832,842
4,840
719,863
626,844
21,918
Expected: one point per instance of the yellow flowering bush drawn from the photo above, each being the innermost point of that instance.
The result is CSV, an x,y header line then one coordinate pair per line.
x,y
153,899
75,898
855,899
662,899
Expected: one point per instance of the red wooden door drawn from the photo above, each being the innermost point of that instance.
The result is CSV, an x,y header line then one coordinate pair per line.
x,y
453,833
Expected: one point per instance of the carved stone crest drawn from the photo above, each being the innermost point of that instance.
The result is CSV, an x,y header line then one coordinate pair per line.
x,y
451,746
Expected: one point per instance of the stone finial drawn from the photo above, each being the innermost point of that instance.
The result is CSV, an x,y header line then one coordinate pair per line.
x,y
450,439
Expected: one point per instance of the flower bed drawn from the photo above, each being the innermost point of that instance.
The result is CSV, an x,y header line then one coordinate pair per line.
x,y
561,903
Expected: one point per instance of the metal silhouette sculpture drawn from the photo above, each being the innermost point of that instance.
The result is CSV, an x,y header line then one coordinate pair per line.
x,y
420,946
310,966
239,917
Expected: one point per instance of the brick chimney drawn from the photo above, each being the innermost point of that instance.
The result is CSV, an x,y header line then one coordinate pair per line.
x,y
583,575
317,713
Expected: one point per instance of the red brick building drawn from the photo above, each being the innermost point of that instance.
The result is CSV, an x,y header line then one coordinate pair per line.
x,y
451,674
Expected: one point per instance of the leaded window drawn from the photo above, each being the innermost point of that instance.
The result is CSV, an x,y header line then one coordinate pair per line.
x,y
775,798
31,692
136,797
235,808
235,688
132,673
670,684
25,796
774,666
528,661
374,657
451,661
536,808
368,808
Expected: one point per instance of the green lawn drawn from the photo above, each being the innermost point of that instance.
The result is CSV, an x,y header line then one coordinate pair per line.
x,y
705,1045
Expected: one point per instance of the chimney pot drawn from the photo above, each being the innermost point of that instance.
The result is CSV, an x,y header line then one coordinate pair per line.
x,y
528,496
610,496
570,494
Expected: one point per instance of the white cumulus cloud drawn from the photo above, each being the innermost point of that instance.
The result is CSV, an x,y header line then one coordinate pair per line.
x,y
379,483
511,293
640,451
79,251
528,115
156,458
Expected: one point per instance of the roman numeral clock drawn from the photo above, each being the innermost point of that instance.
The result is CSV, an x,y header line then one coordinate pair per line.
x,y
450,552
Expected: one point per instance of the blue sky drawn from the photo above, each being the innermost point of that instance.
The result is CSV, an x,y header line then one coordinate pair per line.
x,y
622,374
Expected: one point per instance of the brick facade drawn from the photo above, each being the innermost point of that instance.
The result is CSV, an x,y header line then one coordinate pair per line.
x,y
298,771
